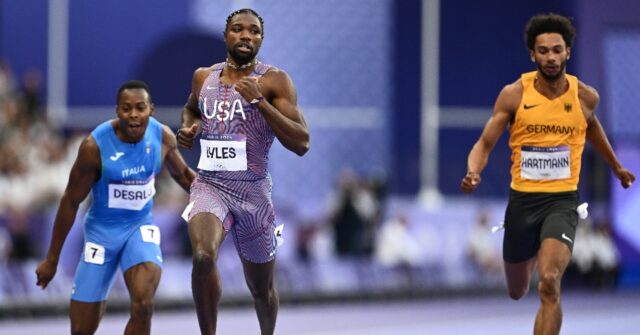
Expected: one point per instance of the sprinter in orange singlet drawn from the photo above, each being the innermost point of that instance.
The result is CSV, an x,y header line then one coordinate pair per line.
x,y
550,114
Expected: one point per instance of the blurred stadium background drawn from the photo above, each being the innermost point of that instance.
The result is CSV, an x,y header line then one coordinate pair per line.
x,y
395,94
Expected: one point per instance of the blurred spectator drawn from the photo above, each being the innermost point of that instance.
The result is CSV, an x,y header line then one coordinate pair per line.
x,y
483,248
21,245
607,256
595,261
304,239
34,156
31,95
5,245
397,246
353,216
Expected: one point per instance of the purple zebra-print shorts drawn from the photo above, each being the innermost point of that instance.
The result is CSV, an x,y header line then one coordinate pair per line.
x,y
245,209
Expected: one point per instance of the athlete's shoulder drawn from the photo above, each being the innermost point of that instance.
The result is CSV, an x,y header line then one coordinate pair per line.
x,y
515,87
276,76
89,152
510,96
205,71
588,95
153,121
513,90
102,129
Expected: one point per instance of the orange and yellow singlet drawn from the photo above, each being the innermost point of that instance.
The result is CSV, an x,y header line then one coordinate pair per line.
x,y
547,139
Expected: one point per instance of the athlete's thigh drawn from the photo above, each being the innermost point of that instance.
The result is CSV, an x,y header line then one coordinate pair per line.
x,y
142,280
95,272
254,230
521,229
553,257
206,233
210,197
562,219
142,245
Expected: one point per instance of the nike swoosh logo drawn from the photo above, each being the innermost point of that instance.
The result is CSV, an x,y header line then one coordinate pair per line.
x,y
117,156
210,87
530,106
566,238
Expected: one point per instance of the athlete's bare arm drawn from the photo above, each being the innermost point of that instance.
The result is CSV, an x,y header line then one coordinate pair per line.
x,y
85,171
174,162
191,111
596,135
503,113
280,108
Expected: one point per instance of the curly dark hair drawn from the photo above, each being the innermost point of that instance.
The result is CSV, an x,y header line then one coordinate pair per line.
x,y
245,11
549,23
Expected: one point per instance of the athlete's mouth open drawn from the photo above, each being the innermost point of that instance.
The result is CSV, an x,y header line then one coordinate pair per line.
x,y
244,47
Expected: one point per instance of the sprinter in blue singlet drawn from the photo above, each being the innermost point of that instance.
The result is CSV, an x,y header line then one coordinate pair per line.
x,y
117,163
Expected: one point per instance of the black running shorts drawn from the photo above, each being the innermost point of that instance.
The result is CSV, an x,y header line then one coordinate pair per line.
x,y
533,217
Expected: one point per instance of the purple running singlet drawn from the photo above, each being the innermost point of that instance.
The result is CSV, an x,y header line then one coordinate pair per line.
x,y
233,182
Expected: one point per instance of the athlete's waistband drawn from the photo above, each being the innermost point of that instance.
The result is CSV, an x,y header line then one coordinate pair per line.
x,y
231,175
515,193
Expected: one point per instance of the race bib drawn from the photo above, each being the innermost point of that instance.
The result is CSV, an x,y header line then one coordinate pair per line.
x,y
93,253
545,163
223,153
132,195
150,233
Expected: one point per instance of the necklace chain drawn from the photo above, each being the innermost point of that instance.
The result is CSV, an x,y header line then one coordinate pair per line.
x,y
244,66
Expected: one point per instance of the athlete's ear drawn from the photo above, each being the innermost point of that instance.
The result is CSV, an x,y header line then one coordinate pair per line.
x,y
568,53
532,55
153,109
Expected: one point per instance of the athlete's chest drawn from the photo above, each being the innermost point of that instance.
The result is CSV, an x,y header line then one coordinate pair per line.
x,y
220,102
130,161
543,117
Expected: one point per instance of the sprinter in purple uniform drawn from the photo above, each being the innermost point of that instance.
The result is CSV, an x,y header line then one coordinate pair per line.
x,y
239,106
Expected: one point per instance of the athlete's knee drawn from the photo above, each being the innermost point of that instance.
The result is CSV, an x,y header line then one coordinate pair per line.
x,y
141,309
263,290
549,285
203,262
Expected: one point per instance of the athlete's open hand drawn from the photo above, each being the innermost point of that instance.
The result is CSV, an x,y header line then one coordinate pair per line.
x,y
185,136
470,182
45,272
626,177
249,88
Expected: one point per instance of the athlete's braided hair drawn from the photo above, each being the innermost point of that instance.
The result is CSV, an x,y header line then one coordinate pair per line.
x,y
549,23
133,84
245,11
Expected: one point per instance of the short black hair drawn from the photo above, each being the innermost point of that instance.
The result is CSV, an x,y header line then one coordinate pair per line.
x,y
133,84
245,11
549,23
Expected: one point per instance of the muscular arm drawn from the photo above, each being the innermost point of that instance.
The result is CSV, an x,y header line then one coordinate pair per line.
x,y
280,109
191,111
596,135
85,171
179,170
503,112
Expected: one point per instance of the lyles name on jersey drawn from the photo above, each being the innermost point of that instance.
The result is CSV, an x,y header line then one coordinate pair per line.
x,y
222,110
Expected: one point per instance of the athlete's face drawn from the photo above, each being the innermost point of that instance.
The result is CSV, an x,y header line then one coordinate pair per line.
x,y
243,38
550,54
133,111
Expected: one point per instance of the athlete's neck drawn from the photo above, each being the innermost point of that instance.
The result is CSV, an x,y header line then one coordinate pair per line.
x,y
551,88
232,64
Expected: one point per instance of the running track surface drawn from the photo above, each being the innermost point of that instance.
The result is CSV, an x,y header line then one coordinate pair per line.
x,y
586,313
